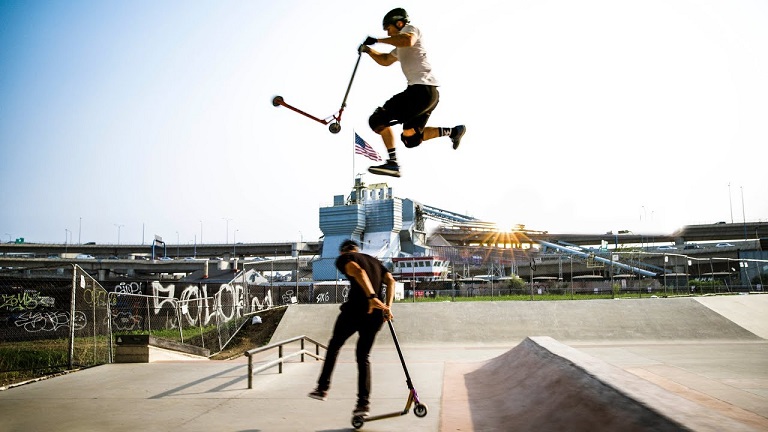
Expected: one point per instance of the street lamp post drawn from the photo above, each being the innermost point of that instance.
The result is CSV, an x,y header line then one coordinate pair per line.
x,y
118,232
227,238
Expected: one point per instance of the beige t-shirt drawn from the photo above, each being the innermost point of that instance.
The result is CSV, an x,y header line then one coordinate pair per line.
x,y
413,60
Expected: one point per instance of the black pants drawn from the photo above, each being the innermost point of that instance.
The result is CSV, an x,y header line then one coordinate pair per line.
x,y
347,324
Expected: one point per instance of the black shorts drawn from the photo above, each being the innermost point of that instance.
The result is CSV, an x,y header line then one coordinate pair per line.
x,y
412,107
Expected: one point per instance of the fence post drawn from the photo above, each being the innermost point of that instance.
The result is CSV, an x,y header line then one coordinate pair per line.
x,y
71,353
149,318
178,319
109,327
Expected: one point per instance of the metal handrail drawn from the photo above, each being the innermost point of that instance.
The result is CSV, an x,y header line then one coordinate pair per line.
x,y
281,358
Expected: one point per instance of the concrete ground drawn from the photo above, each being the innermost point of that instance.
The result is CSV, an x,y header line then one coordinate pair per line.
x,y
642,364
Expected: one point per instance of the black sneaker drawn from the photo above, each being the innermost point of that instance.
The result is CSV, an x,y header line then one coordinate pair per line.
x,y
319,395
456,134
362,410
391,168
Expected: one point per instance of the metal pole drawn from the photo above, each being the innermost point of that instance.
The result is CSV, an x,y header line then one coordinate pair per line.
x,y
149,320
492,278
743,214
665,273
109,330
71,353
613,293
250,372
453,291
531,283
571,258
730,201
297,277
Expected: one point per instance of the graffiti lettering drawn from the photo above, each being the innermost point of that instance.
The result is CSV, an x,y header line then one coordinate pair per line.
x,y
162,295
48,321
231,296
128,288
257,305
25,301
94,295
126,321
194,305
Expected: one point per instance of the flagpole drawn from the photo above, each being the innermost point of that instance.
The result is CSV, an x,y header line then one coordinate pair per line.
x,y
353,157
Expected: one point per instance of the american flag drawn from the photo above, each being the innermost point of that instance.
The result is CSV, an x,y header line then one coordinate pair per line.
x,y
365,149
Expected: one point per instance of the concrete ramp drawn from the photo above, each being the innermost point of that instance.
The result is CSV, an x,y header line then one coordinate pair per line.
x,y
748,311
544,385
507,323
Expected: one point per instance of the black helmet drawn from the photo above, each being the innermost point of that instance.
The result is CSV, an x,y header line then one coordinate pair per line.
x,y
348,246
395,15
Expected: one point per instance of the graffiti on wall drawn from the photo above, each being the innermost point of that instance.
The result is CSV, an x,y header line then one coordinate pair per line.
x,y
26,300
34,322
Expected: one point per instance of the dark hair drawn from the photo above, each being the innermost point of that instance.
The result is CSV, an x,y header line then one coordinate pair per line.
x,y
348,246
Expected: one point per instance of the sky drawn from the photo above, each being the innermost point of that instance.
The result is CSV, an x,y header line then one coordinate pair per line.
x,y
122,120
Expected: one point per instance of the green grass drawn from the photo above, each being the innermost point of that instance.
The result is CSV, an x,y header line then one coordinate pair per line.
x,y
519,297
25,360
188,334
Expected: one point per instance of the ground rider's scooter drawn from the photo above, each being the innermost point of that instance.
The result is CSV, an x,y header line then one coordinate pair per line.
x,y
420,409
335,119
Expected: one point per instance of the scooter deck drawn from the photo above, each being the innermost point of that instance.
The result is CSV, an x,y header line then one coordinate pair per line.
x,y
419,409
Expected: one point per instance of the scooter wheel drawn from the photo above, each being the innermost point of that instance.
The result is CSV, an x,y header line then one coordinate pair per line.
x,y
420,410
357,422
334,128
277,101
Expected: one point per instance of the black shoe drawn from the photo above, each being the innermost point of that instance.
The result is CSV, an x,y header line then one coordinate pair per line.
x,y
391,168
362,410
319,395
456,134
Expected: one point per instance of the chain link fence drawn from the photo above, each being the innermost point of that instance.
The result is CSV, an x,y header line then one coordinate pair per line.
x,y
52,325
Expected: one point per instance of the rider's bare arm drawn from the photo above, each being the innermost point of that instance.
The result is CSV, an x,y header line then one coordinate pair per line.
x,y
401,40
384,59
